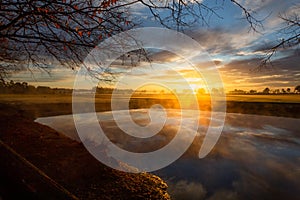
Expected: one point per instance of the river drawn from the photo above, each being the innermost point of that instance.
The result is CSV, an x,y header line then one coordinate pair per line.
x,y
256,157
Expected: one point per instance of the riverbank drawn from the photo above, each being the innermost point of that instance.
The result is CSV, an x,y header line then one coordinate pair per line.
x,y
67,162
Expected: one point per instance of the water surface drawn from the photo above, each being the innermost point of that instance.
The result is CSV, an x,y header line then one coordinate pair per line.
x,y
256,157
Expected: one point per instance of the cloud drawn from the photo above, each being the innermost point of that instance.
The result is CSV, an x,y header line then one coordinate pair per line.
x,y
235,39
163,56
256,5
237,74
182,190
273,10
232,47
224,195
55,77
223,41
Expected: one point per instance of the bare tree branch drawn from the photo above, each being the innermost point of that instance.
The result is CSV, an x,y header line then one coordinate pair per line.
x,y
291,39
31,31
255,24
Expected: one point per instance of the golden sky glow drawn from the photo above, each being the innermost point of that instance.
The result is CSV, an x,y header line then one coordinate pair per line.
x,y
174,75
234,50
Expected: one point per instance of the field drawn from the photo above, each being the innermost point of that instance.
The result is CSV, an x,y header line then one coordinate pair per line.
x,y
38,105
65,98
265,98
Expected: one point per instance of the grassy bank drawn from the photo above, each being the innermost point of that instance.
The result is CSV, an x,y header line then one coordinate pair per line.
x,y
67,162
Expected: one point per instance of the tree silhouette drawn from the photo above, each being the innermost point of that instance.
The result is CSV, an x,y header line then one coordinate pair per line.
x,y
201,91
297,89
33,31
291,36
266,91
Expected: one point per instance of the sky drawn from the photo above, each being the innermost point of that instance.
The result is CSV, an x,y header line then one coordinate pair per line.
x,y
227,39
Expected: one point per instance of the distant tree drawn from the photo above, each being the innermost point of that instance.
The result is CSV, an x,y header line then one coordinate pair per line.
x,y
288,90
252,91
3,87
18,88
276,91
25,84
297,89
11,84
43,90
283,91
201,91
31,89
236,91
266,91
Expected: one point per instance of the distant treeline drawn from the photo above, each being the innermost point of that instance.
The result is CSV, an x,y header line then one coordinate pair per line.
x,y
12,87
25,88
102,90
267,90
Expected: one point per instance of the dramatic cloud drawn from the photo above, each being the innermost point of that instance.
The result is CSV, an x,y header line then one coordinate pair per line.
x,y
232,48
237,74
55,77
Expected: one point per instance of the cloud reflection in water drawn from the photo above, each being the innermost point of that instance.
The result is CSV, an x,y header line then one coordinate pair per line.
x,y
256,157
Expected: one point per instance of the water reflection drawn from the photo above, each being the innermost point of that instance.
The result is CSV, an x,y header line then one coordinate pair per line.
x,y
257,157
